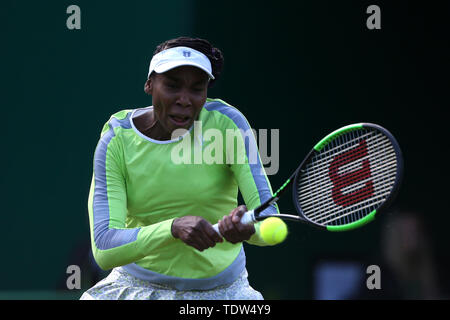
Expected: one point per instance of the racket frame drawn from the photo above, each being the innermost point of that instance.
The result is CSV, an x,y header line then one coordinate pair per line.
x,y
254,215
370,216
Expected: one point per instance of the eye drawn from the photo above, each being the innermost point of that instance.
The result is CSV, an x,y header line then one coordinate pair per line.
x,y
198,87
172,85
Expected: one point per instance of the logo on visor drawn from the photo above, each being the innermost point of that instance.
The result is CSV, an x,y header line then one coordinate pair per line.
x,y
187,54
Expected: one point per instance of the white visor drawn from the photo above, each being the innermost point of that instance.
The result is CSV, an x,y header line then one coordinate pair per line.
x,y
177,57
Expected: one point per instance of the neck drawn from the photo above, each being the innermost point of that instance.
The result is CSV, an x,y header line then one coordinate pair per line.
x,y
157,132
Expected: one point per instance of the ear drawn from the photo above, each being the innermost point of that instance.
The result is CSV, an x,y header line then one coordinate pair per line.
x,y
148,87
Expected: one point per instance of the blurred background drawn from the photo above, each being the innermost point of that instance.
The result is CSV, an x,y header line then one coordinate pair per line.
x,y
303,67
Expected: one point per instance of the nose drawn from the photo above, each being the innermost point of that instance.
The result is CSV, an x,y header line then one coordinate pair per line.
x,y
184,99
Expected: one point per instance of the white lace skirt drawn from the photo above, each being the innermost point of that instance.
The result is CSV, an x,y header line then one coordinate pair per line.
x,y
120,285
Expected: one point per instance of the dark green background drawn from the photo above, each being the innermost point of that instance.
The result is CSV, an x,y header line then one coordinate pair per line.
x,y
304,68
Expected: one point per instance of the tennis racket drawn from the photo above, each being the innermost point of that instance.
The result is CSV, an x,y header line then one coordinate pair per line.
x,y
348,177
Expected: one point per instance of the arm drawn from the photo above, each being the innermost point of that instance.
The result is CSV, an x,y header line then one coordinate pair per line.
x,y
253,184
248,172
112,243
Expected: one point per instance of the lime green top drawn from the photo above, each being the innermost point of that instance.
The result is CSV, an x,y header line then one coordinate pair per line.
x,y
141,185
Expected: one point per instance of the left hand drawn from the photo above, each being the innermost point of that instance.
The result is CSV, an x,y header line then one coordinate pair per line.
x,y
232,229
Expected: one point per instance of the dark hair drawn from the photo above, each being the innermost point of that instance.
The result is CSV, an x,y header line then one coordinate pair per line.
x,y
214,55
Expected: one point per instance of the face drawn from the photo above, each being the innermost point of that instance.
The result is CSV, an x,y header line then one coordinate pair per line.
x,y
178,97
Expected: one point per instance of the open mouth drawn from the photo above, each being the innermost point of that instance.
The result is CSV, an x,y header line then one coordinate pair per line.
x,y
179,120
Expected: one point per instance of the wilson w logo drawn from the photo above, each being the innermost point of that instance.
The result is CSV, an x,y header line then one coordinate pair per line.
x,y
347,179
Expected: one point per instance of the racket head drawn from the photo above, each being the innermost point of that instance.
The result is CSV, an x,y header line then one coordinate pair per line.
x,y
350,176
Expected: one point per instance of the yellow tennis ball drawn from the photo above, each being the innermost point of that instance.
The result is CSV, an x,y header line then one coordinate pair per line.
x,y
273,230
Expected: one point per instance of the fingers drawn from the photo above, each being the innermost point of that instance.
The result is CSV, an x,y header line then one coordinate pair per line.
x,y
196,232
237,214
212,234
200,241
228,229
231,228
200,234
205,236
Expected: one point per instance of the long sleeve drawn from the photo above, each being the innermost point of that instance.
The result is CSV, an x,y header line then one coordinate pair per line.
x,y
112,243
253,182
243,156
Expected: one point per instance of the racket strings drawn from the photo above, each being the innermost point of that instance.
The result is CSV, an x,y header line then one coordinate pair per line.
x,y
320,161
326,214
308,199
346,160
332,216
317,175
378,170
360,196
337,145
353,199
348,179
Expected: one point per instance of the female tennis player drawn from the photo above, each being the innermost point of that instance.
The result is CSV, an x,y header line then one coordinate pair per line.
x,y
151,217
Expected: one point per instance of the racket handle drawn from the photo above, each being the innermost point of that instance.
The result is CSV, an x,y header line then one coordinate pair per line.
x,y
247,218
216,228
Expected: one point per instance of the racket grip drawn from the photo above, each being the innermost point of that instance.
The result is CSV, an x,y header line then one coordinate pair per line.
x,y
247,218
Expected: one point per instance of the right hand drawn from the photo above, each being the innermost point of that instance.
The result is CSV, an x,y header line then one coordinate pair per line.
x,y
195,232
232,230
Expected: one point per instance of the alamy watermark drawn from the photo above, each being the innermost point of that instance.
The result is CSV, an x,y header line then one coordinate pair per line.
x,y
234,146
74,279
73,21
374,279
373,22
